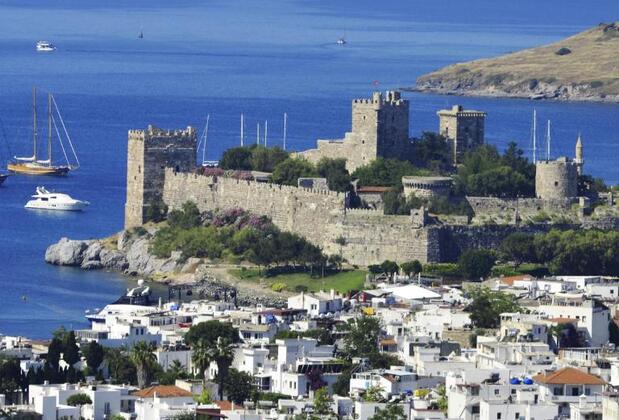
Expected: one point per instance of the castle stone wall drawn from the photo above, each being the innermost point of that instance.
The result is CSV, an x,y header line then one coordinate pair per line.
x,y
306,212
506,207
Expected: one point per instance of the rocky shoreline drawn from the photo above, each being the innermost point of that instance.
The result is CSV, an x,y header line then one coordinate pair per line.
x,y
128,253
546,92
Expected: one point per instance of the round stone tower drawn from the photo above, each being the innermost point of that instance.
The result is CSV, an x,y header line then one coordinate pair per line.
x,y
556,179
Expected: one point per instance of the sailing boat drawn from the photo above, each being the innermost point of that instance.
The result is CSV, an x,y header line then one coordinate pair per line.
x,y
141,34
34,166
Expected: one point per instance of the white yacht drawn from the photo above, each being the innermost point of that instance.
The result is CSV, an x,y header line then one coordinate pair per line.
x,y
44,46
341,41
45,200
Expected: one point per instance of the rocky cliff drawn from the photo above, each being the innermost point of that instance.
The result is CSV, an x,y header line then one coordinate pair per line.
x,y
582,67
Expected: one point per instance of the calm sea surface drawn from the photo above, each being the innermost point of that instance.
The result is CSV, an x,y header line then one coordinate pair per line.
x,y
224,58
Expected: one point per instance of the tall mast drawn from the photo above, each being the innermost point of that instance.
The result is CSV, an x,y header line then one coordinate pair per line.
x,y
534,136
258,134
548,142
285,128
34,109
266,132
208,117
242,129
49,127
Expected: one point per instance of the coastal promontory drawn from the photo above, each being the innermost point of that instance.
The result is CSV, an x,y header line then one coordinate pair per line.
x,y
582,67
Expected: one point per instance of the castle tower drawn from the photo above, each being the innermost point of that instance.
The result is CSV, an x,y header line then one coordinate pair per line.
x,y
579,160
463,129
379,129
556,179
149,152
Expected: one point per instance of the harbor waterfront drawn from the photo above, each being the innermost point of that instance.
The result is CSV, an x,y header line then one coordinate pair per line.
x,y
107,81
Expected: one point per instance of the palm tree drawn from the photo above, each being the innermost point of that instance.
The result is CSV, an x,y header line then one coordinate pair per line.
x,y
143,358
202,356
224,354
177,369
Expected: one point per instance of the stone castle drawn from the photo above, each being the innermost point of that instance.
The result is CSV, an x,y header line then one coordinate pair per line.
x,y
463,129
161,163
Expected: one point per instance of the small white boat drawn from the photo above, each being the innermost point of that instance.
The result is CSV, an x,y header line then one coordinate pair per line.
x,y
341,41
45,200
44,46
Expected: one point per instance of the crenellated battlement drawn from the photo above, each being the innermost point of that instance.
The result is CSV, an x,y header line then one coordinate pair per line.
x,y
255,185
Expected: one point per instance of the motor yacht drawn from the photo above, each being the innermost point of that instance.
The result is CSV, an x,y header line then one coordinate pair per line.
x,y
44,46
45,200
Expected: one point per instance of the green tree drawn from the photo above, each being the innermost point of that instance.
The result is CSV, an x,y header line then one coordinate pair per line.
x,y
54,350
361,336
157,211
336,173
223,356
290,170
122,370
238,386
209,331
143,357
322,402
94,353
12,379
411,267
266,159
432,151
474,264
392,411
386,172
78,400
485,172
374,394
389,267
518,247
487,305
186,218
204,397
202,355
71,353
442,400
238,158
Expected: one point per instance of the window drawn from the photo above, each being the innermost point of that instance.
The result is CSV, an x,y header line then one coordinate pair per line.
x,y
558,390
575,391
496,392
498,416
475,409
517,416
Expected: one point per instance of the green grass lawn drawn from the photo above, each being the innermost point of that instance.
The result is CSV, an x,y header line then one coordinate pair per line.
x,y
341,282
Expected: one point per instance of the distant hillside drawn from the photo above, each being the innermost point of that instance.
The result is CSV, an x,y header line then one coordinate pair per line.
x,y
582,67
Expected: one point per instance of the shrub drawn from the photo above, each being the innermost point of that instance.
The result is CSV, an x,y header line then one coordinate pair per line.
x,y
596,84
563,51
476,263
278,287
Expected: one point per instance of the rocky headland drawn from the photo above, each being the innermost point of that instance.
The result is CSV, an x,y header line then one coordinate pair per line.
x,y
129,253
583,67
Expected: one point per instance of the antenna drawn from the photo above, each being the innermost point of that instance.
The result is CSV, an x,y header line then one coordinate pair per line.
x,y
266,132
242,129
285,128
534,136
548,142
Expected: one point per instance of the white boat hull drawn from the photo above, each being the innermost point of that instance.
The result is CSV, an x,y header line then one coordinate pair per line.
x,y
38,205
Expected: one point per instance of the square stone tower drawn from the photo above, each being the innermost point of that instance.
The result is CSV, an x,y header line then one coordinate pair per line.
x,y
464,129
149,152
380,127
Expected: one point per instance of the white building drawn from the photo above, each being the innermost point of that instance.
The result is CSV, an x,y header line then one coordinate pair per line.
x,y
316,303
163,402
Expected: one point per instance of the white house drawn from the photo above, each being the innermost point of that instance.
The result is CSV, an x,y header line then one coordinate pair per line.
x,y
163,402
316,303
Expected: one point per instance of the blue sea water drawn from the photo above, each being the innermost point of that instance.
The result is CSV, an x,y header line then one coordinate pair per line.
x,y
224,58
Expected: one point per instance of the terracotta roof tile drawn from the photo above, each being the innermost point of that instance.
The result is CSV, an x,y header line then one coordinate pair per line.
x,y
162,391
568,376
511,279
224,405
